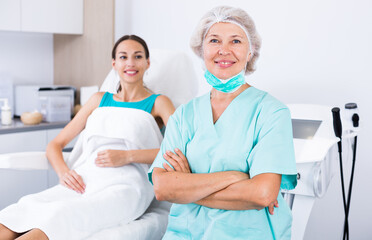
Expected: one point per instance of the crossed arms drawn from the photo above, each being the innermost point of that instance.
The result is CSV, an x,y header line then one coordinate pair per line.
x,y
229,190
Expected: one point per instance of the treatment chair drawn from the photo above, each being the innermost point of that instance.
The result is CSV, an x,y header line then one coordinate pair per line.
x,y
171,73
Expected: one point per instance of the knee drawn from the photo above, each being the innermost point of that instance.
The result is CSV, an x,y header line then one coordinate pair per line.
x,y
35,233
41,235
6,233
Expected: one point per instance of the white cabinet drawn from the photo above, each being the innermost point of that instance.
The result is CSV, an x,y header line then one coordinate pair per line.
x,y
52,16
10,15
23,142
17,183
29,141
47,16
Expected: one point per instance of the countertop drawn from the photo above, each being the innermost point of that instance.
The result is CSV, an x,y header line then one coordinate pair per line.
x,y
17,126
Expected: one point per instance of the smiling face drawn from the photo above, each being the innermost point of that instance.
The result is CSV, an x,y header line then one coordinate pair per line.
x,y
226,50
130,61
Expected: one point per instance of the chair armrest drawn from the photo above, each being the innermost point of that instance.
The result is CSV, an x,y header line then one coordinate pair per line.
x,y
26,160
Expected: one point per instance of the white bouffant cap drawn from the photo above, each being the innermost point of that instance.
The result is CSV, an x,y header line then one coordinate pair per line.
x,y
232,15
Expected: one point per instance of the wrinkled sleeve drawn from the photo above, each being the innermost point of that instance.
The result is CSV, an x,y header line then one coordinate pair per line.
x,y
173,139
273,151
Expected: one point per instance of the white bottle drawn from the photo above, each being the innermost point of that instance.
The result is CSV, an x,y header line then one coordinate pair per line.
x,y
6,113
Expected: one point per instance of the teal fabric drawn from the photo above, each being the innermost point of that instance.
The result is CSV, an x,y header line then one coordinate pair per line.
x,y
253,135
145,104
229,86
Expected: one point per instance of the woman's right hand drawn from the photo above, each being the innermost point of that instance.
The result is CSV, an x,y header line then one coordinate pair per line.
x,y
272,205
112,158
72,180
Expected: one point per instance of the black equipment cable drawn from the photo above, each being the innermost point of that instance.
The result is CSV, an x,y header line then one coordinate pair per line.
x,y
346,228
337,127
346,224
355,119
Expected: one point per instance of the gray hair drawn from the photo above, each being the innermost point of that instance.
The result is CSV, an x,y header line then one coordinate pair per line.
x,y
232,15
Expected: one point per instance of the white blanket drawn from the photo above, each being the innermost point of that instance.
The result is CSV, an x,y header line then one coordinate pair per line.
x,y
113,195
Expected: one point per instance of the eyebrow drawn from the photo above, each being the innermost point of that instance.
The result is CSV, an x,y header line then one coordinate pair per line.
x,y
236,35
212,35
134,52
232,36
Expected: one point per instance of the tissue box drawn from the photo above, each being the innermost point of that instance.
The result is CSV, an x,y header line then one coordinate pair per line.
x,y
55,108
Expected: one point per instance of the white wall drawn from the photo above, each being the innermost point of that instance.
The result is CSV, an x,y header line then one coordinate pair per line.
x,y
316,52
123,16
27,58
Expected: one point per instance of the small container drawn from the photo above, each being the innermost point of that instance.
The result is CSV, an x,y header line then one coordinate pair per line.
x,y
31,118
6,113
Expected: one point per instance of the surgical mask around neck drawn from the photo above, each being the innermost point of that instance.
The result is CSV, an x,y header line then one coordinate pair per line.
x,y
227,86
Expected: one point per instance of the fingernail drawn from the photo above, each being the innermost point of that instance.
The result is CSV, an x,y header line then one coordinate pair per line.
x,y
176,149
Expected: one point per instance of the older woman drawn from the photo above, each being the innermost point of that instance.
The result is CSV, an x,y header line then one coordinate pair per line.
x,y
233,148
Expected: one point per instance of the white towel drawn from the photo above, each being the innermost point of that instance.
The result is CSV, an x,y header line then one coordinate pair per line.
x,y
112,196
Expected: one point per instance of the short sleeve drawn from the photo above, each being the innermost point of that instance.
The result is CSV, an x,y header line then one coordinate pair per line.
x,y
172,139
273,151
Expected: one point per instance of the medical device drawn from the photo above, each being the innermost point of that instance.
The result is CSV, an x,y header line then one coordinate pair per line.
x,y
56,103
316,153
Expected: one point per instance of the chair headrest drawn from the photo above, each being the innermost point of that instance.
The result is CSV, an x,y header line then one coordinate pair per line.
x,y
171,73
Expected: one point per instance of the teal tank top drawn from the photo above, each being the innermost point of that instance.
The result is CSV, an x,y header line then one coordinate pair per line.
x,y
145,104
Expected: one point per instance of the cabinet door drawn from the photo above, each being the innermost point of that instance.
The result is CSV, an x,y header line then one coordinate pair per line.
x,y
10,15
23,142
17,183
52,16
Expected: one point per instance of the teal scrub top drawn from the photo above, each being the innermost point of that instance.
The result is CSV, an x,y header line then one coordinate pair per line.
x,y
253,135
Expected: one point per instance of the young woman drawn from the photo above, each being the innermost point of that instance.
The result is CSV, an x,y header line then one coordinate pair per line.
x,y
108,184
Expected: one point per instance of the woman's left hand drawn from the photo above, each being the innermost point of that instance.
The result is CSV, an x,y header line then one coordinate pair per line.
x,y
112,158
177,160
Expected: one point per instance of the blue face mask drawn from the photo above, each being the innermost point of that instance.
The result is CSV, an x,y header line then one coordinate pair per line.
x,y
228,85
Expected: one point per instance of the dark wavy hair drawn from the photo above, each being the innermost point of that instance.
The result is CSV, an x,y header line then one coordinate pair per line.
x,y
130,37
